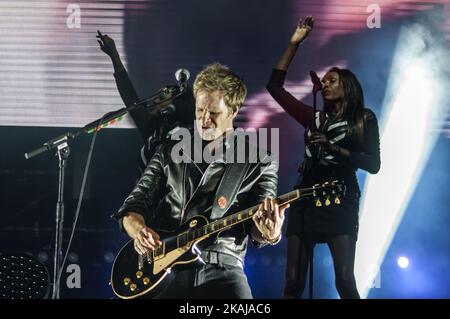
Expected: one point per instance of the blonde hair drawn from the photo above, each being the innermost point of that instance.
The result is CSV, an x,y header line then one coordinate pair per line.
x,y
218,77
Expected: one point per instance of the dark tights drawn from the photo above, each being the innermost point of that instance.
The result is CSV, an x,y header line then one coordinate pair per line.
x,y
342,248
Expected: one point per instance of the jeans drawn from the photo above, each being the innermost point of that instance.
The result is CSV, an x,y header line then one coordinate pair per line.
x,y
209,281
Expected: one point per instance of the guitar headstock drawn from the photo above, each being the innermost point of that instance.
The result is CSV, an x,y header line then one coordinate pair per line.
x,y
328,193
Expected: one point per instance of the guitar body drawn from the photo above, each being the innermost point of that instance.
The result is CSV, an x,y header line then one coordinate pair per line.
x,y
149,275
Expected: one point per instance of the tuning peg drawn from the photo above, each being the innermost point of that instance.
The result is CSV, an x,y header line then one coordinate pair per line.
x,y
337,201
327,201
318,203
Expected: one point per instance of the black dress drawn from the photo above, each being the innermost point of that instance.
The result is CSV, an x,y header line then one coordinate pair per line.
x,y
304,218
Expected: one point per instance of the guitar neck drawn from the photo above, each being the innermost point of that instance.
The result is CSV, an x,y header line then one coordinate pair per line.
x,y
241,216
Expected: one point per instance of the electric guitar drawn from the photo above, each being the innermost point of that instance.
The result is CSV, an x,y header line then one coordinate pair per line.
x,y
134,275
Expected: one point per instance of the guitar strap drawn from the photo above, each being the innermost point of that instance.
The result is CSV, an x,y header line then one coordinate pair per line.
x,y
230,184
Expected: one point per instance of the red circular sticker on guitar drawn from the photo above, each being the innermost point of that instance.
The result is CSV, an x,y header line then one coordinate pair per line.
x,y
222,202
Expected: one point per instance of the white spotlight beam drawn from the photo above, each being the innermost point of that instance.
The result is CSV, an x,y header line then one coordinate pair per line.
x,y
407,137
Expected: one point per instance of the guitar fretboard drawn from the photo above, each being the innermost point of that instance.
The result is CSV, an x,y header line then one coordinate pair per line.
x,y
317,191
234,219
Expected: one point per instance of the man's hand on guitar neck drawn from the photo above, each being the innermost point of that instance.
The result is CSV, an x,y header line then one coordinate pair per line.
x,y
145,238
268,221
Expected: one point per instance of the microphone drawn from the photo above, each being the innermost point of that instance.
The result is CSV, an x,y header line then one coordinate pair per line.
x,y
182,76
315,80
164,101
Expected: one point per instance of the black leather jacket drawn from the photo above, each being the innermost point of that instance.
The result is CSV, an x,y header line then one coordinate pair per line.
x,y
169,193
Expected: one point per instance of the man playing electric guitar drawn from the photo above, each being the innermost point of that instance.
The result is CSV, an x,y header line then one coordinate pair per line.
x,y
170,192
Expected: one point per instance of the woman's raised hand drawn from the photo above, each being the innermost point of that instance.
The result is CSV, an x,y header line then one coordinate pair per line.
x,y
302,30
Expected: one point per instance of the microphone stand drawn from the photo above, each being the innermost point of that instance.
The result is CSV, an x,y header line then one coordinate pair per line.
x,y
61,143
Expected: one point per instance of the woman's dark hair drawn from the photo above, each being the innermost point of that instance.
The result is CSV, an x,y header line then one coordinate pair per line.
x,y
352,108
